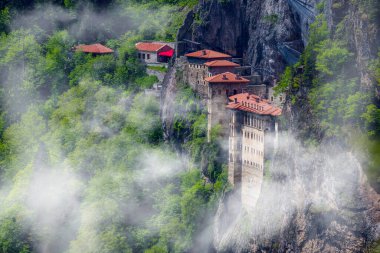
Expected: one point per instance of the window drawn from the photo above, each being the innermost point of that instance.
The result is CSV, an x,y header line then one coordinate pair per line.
x,y
271,98
139,56
235,92
148,56
143,55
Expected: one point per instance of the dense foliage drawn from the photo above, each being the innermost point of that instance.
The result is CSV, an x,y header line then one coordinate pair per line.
x,y
83,164
343,108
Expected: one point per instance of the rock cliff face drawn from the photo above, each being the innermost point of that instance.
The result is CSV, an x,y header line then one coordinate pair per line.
x,y
251,30
266,33
308,206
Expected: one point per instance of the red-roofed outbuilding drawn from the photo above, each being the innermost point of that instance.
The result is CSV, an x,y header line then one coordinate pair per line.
x,y
94,49
154,52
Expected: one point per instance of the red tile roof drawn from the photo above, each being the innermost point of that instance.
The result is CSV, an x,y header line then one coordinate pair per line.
x,y
227,77
150,46
221,63
93,48
207,54
254,104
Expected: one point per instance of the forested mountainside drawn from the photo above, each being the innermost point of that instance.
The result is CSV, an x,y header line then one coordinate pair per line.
x,y
84,167
91,162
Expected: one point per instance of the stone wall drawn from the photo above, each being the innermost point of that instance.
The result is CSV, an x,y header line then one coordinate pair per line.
x,y
196,73
218,94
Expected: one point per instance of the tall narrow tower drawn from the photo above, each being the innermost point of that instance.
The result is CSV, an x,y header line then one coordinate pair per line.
x,y
220,87
252,119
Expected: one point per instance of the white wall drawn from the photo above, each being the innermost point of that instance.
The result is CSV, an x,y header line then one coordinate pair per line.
x,y
152,56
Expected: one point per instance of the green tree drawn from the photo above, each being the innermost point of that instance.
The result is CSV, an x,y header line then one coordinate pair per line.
x,y
58,63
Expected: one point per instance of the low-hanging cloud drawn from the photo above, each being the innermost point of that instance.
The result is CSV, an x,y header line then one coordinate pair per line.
x,y
303,181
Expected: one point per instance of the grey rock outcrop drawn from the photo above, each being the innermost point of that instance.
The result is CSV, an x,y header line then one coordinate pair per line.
x,y
251,30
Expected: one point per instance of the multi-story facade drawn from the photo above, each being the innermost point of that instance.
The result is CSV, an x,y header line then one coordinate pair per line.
x,y
252,121
203,64
219,88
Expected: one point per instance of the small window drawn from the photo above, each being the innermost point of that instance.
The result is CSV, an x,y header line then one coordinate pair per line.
x,y
148,56
271,98
139,55
143,55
